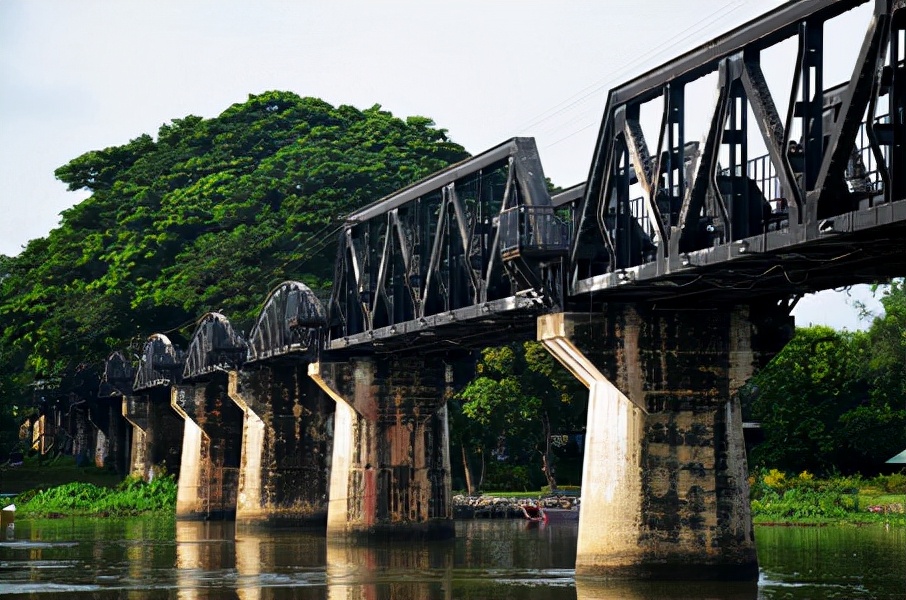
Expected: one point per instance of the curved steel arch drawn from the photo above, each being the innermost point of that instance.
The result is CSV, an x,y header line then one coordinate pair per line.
x,y
291,322
161,364
118,377
215,346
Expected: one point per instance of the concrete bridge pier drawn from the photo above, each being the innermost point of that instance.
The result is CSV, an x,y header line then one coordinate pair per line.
x,y
390,476
106,415
664,489
286,445
211,449
156,433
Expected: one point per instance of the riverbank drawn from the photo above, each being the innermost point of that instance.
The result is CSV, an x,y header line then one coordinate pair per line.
x,y
803,499
131,497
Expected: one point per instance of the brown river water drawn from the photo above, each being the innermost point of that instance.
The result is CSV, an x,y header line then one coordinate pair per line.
x,y
494,559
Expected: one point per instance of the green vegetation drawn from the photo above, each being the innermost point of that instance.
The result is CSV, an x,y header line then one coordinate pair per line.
x,y
835,401
805,499
131,497
508,422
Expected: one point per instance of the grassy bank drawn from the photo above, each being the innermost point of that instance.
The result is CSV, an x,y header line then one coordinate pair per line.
x,y
131,497
778,498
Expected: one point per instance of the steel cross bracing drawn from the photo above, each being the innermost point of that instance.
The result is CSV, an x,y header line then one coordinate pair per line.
x,y
822,209
456,260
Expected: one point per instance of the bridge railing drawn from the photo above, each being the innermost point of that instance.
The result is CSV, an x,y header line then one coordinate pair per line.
x,y
532,231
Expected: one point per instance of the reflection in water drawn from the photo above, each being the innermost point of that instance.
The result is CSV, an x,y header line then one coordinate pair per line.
x,y
392,570
502,560
204,553
832,562
590,589
281,563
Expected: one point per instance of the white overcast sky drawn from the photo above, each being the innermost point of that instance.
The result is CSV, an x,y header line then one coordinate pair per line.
x,y
79,75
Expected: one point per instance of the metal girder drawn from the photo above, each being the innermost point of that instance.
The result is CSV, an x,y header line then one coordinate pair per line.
x,y
215,346
706,202
759,33
475,234
291,323
160,364
772,131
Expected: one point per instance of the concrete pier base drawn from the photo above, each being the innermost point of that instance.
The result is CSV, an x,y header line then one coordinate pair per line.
x,y
664,490
111,452
212,444
286,446
156,434
390,476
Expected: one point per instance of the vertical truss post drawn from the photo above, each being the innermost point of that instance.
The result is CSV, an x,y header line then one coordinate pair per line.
x,y
810,80
897,105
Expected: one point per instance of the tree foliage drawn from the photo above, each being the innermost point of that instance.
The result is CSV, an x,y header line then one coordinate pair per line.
x,y
519,398
836,401
208,216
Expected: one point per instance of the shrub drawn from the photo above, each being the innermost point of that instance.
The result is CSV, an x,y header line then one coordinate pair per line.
x,y
892,484
132,497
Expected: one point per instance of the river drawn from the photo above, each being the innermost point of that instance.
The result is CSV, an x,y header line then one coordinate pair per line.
x,y
499,560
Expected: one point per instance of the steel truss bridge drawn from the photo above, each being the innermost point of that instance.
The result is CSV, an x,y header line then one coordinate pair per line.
x,y
467,257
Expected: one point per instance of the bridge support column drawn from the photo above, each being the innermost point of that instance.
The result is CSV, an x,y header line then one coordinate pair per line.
x,y
106,414
664,490
286,446
391,459
156,433
212,444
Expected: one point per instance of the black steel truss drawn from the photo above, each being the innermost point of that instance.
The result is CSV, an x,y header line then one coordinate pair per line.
x,y
459,256
160,365
793,220
290,324
215,346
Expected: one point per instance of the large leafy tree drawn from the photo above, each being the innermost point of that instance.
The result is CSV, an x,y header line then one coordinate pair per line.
x,y
208,216
836,401
875,430
520,398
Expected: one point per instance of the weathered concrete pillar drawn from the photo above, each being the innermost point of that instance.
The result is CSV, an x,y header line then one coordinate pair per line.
x,y
286,445
391,458
157,429
156,433
106,415
211,450
664,490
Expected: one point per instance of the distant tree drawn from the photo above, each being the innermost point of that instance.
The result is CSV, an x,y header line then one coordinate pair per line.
x,y
835,401
801,396
876,429
519,399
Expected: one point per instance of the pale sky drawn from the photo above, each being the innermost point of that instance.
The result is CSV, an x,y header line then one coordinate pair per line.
x,y
80,75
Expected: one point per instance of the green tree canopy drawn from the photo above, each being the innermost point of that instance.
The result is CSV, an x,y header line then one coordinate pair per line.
x,y
519,398
836,401
208,216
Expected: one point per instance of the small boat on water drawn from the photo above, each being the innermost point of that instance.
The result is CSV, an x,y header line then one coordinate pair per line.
x,y
544,514
532,512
